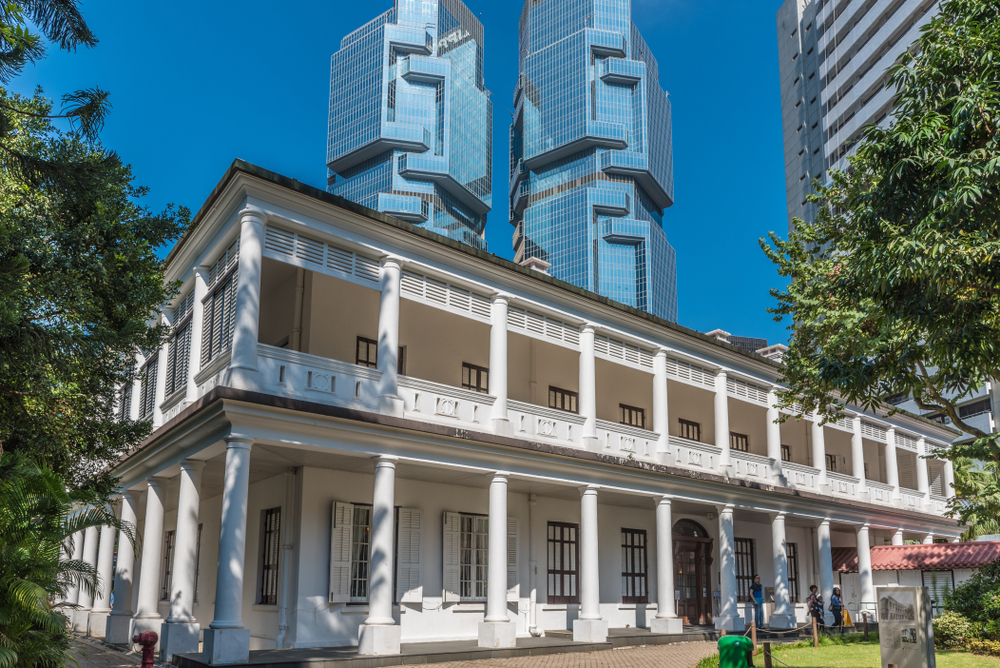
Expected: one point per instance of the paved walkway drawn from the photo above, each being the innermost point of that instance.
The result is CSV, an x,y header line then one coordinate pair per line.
x,y
680,655
93,654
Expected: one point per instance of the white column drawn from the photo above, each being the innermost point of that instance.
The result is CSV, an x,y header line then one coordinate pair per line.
x,y
180,632
922,481
295,343
498,363
666,619
288,533
722,420
774,437
588,387
243,373
825,567
81,616
226,641
120,619
497,630
928,539
819,451
728,617
949,479
160,388
897,537
532,567
783,617
105,565
147,615
661,409
73,594
891,465
590,626
388,336
865,568
380,634
197,328
956,539
858,457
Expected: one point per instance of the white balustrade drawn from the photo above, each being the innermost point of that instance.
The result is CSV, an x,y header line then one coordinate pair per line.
x,y
939,504
842,485
911,499
622,440
695,455
425,400
753,467
880,493
213,374
313,378
545,424
801,477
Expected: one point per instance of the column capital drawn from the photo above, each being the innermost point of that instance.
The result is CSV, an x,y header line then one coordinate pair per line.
x,y
385,460
587,490
200,271
501,297
588,327
194,465
393,260
239,441
661,351
721,373
501,476
725,508
662,499
864,526
823,522
252,215
156,482
131,494
778,516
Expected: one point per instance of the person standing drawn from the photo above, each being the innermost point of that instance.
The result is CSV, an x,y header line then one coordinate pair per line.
x,y
757,597
837,608
815,602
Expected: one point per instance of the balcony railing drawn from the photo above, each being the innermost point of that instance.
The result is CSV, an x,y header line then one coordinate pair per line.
x,y
879,492
541,423
622,440
843,485
801,477
694,455
749,466
912,500
313,378
426,400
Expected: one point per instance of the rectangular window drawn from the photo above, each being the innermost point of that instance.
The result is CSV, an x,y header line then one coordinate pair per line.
x,y
792,552
475,378
270,545
367,355
634,586
690,430
746,568
631,415
219,306
786,453
474,546
563,400
361,543
178,358
168,563
147,392
939,583
739,442
125,402
563,556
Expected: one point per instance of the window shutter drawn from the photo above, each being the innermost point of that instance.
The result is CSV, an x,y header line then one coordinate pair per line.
x,y
340,552
450,553
935,474
842,465
938,583
513,586
907,469
409,589
171,355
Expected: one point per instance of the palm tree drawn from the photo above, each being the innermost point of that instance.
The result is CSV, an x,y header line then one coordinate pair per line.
x,y
977,496
37,525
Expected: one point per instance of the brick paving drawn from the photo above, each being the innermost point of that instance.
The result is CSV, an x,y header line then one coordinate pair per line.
x,y
93,654
679,655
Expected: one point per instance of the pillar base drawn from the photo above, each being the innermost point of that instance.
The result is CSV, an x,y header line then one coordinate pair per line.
x,y
178,638
497,635
226,646
378,639
502,427
781,622
81,621
243,379
591,443
116,632
389,404
590,630
143,624
729,623
667,625
99,623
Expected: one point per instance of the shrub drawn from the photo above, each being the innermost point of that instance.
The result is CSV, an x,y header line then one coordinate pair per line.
x,y
978,598
951,630
988,647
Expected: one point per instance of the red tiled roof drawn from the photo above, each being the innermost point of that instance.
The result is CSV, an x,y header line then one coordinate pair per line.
x,y
940,556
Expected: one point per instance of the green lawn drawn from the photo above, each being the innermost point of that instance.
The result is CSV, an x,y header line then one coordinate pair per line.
x,y
852,655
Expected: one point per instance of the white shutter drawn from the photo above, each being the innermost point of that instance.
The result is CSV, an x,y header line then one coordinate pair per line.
x,y
513,586
906,463
842,465
938,583
409,589
450,557
935,475
340,552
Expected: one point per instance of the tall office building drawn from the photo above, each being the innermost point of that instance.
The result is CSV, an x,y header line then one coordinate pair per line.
x,y
591,162
833,57
411,121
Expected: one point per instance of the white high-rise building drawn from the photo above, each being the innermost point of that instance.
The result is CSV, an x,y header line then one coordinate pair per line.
x,y
834,56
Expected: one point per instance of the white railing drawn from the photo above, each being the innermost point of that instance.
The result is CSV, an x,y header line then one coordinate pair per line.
x,y
800,476
531,421
174,404
694,455
426,400
313,378
843,485
750,466
622,440
879,492
911,500
939,504
213,374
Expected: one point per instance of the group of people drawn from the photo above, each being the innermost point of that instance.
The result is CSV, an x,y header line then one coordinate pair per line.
x,y
815,603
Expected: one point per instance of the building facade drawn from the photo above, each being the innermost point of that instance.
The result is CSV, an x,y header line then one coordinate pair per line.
x,y
833,56
411,121
365,434
591,162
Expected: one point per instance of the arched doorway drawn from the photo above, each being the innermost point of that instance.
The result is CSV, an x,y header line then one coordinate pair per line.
x,y
692,566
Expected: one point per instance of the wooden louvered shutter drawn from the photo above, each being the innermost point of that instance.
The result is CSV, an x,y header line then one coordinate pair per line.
x,y
408,581
513,586
450,558
340,552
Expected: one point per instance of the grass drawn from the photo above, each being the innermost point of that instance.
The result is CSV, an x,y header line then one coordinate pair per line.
x,y
850,652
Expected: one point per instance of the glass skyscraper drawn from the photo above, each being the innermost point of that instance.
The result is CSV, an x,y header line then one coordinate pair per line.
x,y
410,128
591,163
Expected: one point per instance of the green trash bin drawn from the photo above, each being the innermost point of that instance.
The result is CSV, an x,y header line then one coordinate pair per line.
x,y
735,652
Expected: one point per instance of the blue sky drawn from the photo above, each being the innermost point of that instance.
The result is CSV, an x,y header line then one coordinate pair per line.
x,y
196,84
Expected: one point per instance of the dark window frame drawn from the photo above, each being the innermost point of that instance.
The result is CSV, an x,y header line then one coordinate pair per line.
x,y
744,553
786,452
481,375
635,551
564,400
690,429
792,557
166,581
626,415
736,440
270,556
372,345
556,534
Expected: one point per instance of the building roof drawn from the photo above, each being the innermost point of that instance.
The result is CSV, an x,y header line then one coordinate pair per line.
x,y
938,556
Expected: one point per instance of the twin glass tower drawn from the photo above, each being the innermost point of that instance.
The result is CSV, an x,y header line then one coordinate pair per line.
x,y
591,163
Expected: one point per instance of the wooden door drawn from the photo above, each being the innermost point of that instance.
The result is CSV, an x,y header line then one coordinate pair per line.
x,y
692,558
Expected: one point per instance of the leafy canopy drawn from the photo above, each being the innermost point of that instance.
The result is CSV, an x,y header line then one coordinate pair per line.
x,y
895,287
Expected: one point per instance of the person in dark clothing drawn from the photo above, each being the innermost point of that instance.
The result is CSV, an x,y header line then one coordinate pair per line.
x,y
815,602
837,607
757,597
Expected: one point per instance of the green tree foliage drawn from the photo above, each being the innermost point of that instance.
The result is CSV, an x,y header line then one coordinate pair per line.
x,y
895,288
977,488
36,524
79,280
978,600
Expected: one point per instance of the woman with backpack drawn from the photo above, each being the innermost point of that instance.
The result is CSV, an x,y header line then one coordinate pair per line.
x,y
815,602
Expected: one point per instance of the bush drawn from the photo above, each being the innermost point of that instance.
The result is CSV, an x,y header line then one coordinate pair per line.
x,y
987,647
978,598
951,630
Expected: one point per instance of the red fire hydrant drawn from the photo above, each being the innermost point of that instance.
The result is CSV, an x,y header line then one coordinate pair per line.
x,y
148,640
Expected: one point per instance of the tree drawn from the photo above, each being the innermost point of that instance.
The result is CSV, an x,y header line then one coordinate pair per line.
x,y
79,281
895,287
977,488
36,524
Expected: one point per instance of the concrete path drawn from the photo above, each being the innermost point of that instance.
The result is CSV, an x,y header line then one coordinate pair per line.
x,y
93,654
680,655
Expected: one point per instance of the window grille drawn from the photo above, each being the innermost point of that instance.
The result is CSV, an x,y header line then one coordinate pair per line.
x,y
197,562
634,567
563,557
168,563
563,400
792,554
746,568
270,546
474,542
361,544
689,430
147,393
475,378
631,415
739,442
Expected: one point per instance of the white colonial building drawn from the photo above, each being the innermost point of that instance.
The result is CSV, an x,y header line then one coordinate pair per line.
x,y
366,433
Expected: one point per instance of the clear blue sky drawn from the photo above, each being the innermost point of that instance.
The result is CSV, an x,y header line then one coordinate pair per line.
x,y
196,84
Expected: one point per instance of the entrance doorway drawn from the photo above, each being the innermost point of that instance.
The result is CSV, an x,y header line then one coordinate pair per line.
x,y
692,563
